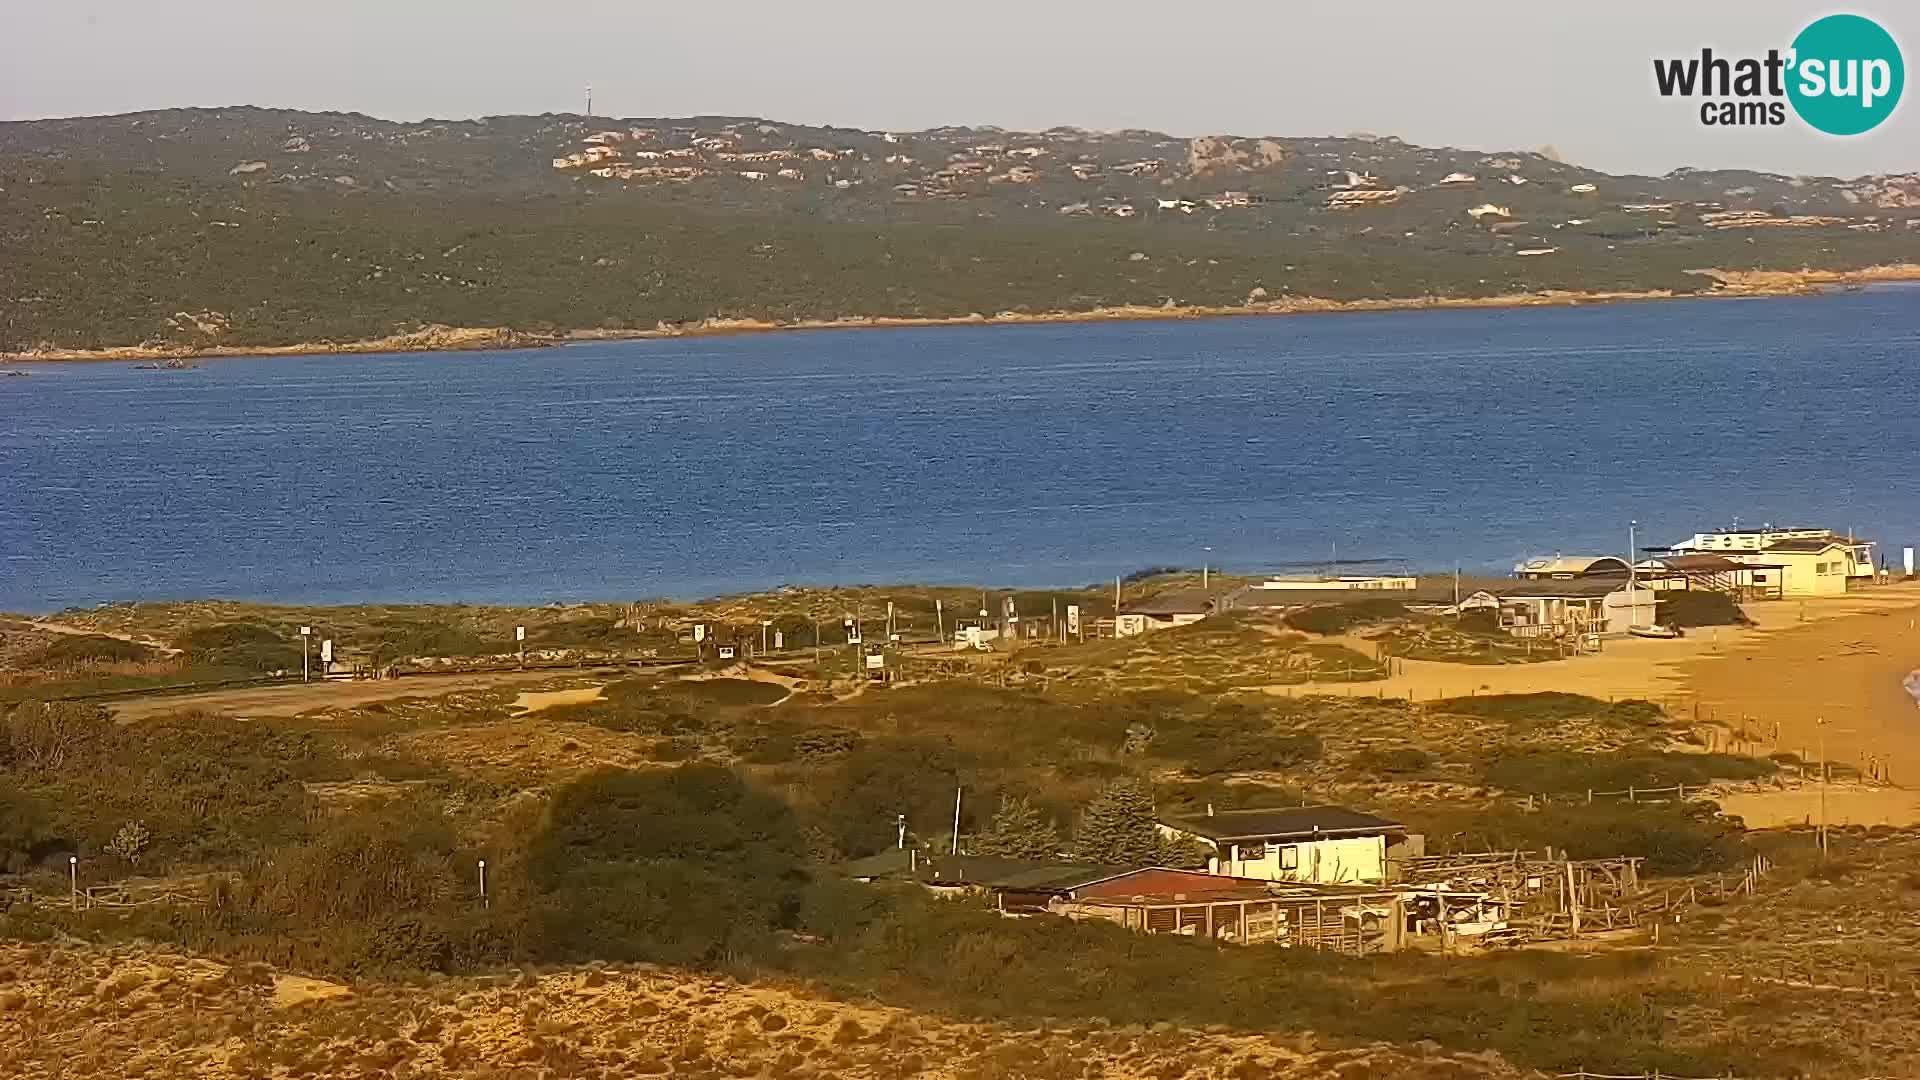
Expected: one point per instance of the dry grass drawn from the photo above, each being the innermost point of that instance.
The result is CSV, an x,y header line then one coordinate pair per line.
x,y
85,1011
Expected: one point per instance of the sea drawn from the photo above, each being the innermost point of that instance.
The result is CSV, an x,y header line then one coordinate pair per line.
x,y
1017,456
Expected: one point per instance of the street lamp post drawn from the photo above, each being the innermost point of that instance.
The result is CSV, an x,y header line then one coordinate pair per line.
x,y
306,637
1205,567
73,881
1820,724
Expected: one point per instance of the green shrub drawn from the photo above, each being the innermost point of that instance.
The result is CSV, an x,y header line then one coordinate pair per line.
x,y
1394,761
1340,618
240,645
688,865
1699,607
76,649
1673,838
1560,772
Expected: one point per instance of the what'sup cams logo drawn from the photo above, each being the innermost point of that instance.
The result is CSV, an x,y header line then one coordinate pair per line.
x,y
1842,75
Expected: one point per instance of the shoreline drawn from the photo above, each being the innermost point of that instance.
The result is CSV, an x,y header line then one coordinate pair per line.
x,y
438,338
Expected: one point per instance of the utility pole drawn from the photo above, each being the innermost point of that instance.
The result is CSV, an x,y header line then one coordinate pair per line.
x,y
956,819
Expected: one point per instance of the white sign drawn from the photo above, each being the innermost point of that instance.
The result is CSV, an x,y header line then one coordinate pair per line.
x,y
853,633
519,633
779,639
726,652
306,631
1906,555
326,651
699,632
876,662
1073,618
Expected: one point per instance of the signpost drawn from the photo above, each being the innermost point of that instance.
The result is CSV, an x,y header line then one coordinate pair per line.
x,y
306,637
520,641
326,656
1073,620
726,652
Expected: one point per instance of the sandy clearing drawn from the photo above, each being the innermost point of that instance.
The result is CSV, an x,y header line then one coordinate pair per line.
x,y
534,701
289,990
1846,805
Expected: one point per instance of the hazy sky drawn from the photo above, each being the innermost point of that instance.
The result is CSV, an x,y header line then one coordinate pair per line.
x,y
1493,74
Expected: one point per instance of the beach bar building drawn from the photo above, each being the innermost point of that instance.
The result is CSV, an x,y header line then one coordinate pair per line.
x,y
1572,607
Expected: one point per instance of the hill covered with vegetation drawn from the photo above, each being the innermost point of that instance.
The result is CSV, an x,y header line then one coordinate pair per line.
x,y
242,226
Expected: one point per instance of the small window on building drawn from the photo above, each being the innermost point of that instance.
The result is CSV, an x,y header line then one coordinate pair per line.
x,y
1289,858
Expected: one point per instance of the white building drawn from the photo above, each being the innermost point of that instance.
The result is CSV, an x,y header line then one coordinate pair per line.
x,y
1355,582
1791,561
1325,844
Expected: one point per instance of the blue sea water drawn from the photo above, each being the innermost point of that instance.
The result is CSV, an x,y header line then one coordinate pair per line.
x,y
1016,455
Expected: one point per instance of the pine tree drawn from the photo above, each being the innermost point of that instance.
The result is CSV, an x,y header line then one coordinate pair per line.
x,y
1118,827
1018,831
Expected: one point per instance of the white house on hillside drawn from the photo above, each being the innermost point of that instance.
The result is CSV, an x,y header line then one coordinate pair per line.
x,y
1326,844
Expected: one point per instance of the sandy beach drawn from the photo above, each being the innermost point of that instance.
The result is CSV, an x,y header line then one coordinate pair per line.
x,y
1840,658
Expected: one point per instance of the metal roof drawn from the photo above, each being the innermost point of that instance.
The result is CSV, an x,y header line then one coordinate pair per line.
x,y
1573,564
1023,874
1173,602
1572,588
1806,547
1283,823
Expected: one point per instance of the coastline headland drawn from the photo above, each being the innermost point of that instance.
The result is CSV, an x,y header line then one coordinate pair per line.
x,y
440,338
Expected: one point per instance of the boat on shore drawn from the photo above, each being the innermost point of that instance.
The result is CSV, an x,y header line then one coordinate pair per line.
x,y
1655,631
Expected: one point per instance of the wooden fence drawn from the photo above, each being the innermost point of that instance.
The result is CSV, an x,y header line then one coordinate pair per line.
x,y
126,894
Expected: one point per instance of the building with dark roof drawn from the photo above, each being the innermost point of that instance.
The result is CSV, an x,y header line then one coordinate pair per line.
x,y
1162,610
1325,844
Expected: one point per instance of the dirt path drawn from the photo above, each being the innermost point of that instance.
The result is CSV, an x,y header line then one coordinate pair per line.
x,y
292,700
82,631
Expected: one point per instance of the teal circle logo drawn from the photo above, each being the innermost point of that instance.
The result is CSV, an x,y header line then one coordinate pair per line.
x,y
1847,74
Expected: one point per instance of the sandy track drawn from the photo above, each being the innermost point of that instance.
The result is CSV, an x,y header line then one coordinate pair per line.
x,y
304,697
